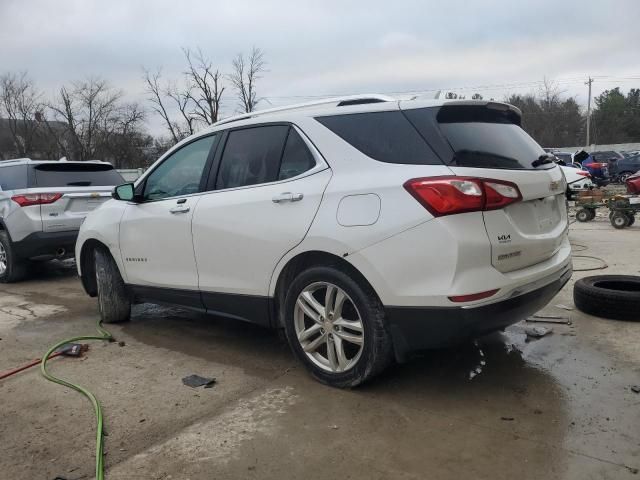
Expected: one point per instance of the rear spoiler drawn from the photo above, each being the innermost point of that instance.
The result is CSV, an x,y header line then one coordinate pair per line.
x,y
472,111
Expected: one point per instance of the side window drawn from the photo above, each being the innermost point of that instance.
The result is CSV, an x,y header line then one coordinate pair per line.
x,y
384,136
13,178
179,174
296,158
251,156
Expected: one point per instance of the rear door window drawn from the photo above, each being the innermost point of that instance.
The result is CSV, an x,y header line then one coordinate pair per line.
x,y
251,156
481,137
13,177
62,174
384,136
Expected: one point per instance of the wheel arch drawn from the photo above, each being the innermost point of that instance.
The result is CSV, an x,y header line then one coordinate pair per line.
x,y
301,262
88,266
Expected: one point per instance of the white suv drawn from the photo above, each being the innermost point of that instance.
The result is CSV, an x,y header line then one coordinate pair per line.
x,y
42,204
367,228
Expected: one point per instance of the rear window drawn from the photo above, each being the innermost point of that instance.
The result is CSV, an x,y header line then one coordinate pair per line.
x,y
384,136
76,175
13,177
482,137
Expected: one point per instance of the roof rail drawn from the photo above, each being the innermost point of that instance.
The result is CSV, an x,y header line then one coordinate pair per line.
x,y
337,101
16,160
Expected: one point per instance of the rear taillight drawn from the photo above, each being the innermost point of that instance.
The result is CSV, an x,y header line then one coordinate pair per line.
x,y
451,195
30,199
583,173
597,165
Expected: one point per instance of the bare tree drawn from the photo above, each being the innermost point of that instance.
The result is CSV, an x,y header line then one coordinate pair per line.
x,y
20,103
91,112
168,97
182,97
246,73
206,86
549,94
156,97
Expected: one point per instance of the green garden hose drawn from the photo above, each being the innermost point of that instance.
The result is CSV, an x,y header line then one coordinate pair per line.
x,y
94,401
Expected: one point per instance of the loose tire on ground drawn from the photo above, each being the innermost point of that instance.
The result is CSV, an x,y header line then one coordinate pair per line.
x,y
377,350
619,220
12,268
114,302
609,296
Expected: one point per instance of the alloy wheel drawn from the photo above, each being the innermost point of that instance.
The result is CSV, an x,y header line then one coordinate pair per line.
x,y
329,327
3,259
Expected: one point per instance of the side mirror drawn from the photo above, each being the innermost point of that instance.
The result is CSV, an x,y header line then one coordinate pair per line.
x,y
124,192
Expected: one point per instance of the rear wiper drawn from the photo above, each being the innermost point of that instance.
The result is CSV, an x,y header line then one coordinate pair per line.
x,y
79,184
542,160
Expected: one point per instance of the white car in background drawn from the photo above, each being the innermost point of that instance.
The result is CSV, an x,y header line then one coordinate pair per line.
x,y
577,179
367,228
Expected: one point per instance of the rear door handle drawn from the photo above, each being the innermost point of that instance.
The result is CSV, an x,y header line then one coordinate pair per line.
x,y
287,197
180,209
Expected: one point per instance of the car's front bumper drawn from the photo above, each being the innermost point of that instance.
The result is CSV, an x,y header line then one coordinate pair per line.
x,y
46,245
421,328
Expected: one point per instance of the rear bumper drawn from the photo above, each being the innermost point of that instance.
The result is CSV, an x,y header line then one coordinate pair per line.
x,y
421,328
46,244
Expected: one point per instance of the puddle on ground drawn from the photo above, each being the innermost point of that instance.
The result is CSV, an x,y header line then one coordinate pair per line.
x,y
15,309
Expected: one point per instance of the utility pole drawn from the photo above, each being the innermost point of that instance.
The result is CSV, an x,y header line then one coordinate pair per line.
x,y
589,82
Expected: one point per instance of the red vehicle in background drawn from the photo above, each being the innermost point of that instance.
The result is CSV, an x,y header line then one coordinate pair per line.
x,y
633,184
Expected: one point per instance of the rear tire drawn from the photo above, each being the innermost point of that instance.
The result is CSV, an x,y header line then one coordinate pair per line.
x,y
360,342
619,220
114,302
632,219
12,268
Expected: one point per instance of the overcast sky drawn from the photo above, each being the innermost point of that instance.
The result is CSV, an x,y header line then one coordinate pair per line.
x,y
332,47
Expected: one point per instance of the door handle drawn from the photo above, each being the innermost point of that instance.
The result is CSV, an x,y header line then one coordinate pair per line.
x,y
287,197
180,209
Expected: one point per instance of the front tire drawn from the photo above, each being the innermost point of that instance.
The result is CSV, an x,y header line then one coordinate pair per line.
x,y
336,327
583,215
12,268
114,302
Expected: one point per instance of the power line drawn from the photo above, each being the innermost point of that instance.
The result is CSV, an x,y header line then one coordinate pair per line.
x,y
476,88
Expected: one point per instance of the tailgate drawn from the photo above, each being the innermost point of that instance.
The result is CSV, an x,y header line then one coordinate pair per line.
x,y
485,140
68,212
529,231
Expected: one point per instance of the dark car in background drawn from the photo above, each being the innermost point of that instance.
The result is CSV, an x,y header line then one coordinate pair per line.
x,y
627,166
599,170
611,158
